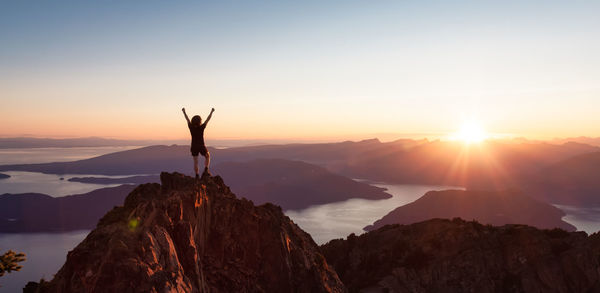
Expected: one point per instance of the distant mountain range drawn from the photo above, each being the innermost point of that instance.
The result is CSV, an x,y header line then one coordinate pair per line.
x,y
595,141
493,165
34,142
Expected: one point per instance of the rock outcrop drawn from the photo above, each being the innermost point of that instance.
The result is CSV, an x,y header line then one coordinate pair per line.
x,y
194,236
459,256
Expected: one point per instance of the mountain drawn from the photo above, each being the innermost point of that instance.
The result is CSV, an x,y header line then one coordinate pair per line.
x,y
458,256
292,184
495,208
34,212
289,184
573,181
402,161
155,159
489,165
123,180
595,141
492,165
191,235
146,160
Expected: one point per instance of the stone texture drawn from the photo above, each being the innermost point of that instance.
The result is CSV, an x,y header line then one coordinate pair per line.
x,y
459,256
186,235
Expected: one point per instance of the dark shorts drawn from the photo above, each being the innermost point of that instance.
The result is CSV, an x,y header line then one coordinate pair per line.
x,y
199,150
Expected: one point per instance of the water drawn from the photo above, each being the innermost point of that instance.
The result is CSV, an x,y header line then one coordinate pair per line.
x,y
584,219
50,184
48,155
339,219
45,253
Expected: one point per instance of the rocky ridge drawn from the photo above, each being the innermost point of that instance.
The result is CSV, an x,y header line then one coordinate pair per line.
x,y
194,236
458,256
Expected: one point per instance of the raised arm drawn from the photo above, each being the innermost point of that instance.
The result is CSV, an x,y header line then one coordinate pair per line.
x,y
209,116
186,117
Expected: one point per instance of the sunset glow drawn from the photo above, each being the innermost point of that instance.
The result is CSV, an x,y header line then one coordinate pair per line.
x,y
348,70
470,132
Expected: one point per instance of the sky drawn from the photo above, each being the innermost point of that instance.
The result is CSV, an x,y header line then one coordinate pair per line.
x,y
299,69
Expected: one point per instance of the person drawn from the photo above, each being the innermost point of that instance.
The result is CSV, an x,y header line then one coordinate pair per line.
x,y
198,147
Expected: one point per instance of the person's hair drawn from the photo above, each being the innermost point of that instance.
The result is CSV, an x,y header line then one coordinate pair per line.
x,y
196,120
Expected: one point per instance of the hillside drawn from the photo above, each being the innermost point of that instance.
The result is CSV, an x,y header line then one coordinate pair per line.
x,y
495,208
573,181
292,184
193,236
35,212
457,256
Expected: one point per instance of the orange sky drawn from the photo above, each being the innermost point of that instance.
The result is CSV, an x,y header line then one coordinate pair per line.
x,y
310,71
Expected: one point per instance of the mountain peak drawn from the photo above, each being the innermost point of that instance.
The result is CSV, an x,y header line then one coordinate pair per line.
x,y
187,235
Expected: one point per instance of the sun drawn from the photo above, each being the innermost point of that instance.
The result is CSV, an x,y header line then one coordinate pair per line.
x,y
470,132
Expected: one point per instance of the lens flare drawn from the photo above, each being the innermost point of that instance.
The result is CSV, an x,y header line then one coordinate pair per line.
x,y
470,133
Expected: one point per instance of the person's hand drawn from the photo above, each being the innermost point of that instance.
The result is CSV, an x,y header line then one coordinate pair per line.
x,y
213,109
183,109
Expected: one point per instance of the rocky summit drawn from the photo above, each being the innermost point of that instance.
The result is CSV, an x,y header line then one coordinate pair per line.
x,y
187,235
458,256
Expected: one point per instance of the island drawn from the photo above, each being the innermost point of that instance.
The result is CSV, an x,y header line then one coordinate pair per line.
x,y
486,207
35,212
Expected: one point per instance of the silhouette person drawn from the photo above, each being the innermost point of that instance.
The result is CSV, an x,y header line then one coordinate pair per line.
x,y
198,147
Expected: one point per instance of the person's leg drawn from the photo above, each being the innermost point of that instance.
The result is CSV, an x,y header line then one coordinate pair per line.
x,y
206,160
196,165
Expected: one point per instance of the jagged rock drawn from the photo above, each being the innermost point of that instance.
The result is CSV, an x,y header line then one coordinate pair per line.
x,y
459,256
194,236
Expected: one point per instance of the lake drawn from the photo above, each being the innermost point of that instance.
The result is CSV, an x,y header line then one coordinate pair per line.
x,y
46,253
339,219
50,184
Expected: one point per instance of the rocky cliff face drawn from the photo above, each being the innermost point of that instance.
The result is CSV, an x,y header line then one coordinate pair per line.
x,y
194,236
458,256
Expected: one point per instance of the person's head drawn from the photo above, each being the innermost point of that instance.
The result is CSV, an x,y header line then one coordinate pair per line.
x,y
196,120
